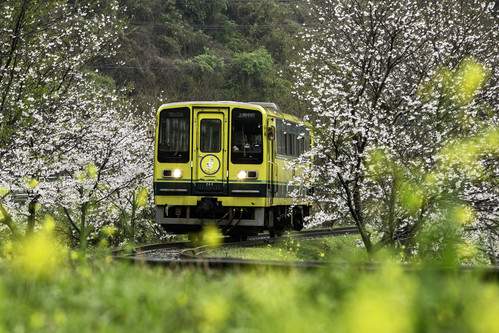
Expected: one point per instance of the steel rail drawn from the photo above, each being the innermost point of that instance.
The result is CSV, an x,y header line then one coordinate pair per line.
x,y
486,273
252,241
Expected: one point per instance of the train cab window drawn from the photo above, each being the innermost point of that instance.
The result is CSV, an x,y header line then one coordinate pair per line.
x,y
173,136
246,137
210,140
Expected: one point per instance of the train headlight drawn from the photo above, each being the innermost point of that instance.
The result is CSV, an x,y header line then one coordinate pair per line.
x,y
243,174
177,173
169,173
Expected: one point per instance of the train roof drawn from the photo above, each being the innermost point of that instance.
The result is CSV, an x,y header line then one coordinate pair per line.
x,y
270,108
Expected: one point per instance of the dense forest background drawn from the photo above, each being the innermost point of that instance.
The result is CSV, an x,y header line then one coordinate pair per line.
x,y
208,50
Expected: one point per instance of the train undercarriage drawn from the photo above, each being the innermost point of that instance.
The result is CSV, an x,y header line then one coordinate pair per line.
x,y
238,222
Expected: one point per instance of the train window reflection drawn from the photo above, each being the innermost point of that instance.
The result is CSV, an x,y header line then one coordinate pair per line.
x,y
173,136
246,138
210,135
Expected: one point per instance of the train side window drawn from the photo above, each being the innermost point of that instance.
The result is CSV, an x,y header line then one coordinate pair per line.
x,y
289,144
173,136
280,142
301,142
210,136
293,139
295,145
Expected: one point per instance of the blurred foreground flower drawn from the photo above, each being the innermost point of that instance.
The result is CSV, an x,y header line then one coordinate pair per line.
x,y
482,316
39,255
31,183
3,191
142,197
381,303
463,215
466,251
109,230
91,170
470,78
212,236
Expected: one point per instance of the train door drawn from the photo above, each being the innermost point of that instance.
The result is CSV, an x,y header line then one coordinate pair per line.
x,y
271,188
209,151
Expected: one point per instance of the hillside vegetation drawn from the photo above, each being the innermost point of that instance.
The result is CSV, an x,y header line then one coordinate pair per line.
x,y
209,50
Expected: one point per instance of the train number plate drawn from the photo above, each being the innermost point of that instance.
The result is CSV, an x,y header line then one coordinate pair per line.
x,y
209,187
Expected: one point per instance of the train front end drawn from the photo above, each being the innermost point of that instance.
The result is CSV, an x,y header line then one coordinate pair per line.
x,y
211,167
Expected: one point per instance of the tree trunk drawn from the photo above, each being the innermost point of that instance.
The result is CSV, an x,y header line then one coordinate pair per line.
x,y
83,228
32,215
7,220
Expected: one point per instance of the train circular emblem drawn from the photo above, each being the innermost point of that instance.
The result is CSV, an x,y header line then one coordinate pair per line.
x,y
210,164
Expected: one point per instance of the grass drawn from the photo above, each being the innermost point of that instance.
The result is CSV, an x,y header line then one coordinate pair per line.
x,y
330,248
105,296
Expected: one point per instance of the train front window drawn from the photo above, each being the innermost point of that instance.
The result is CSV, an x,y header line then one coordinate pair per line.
x,y
210,135
246,137
173,136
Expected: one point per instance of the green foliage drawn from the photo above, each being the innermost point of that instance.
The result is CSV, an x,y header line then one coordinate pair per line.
x,y
102,81
208,63
252,74
103,296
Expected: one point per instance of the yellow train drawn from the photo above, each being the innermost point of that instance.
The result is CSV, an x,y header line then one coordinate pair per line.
x,y
224,163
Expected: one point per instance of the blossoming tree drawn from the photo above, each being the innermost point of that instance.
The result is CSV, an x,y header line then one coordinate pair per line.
x,y
69,144
390,84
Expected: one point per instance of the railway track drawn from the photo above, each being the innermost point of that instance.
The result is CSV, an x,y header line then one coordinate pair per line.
x,y
185,255
182,254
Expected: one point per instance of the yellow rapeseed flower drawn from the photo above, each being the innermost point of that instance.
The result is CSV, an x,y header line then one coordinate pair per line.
x,y
372,305
3,191
109,230
37,320
40,255
214,314
463,215
49,224
482,314
466,251
31,183
411,197
91,170
491,140
74,255
60,317
86,272
142,197
212,236
472,76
